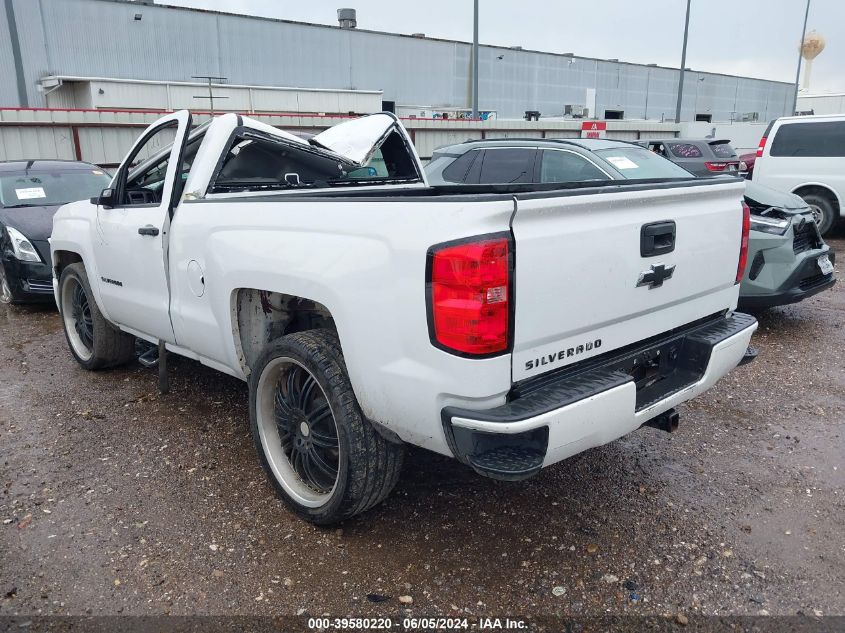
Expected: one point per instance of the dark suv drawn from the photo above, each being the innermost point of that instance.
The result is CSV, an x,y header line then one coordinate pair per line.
x,y
702,157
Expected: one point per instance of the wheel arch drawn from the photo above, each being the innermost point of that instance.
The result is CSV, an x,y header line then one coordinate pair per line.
x,y
65,255
64,258
260,316
820,188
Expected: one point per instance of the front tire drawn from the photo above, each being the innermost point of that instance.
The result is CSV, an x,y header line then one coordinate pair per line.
x,y
94,342
823,210
5,290
326,460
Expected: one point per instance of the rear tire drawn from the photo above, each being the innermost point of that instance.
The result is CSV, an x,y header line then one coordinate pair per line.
x,y
823,210
94,342
326,460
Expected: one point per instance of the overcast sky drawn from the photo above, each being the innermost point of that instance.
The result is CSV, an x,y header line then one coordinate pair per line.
x,y
756,38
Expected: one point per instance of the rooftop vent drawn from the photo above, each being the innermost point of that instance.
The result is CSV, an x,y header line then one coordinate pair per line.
x,y
515,48
347,18
418,35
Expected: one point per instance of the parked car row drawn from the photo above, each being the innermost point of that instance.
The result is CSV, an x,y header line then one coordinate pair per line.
x,y
789,259
31,191
510,305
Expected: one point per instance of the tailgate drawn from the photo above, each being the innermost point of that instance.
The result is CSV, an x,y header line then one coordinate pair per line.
x,y
583,286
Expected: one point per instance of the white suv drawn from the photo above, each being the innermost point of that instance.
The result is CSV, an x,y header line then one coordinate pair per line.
x,y
806,155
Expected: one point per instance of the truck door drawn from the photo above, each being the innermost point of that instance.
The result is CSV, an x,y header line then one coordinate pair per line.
x,y
133,226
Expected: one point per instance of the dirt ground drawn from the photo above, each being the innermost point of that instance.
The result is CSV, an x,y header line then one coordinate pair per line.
x,y
116,500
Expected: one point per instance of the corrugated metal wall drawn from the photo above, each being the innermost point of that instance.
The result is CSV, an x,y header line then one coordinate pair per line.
x,y
822,104
104,137
36,142
8,80
132,95
100,38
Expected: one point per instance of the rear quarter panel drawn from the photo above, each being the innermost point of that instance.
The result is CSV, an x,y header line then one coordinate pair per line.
x,y
362,259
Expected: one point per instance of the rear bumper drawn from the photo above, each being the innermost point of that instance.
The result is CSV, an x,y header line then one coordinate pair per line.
x,y
564,413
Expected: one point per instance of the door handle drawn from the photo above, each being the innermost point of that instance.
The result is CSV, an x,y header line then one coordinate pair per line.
x,y
657,238
148,230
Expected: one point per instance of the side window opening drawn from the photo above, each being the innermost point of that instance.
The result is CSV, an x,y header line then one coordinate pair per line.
x,y
148,168
395,158
146,177
188,158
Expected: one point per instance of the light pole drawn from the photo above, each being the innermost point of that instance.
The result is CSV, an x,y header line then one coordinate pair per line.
x,y
683,66
800,53
475,61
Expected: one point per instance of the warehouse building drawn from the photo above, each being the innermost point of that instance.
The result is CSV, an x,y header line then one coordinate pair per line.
x,y
45,45
823,103
100,93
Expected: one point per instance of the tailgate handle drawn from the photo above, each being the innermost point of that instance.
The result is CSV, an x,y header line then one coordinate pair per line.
x,y
657,238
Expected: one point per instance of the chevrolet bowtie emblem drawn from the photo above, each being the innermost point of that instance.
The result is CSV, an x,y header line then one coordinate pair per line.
x,y
655,277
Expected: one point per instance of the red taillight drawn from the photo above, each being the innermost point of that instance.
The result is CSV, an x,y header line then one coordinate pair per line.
x,y
470,296
761,146
715,166
743,245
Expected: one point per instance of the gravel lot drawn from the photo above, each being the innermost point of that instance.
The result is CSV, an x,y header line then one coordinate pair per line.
x,y
115,500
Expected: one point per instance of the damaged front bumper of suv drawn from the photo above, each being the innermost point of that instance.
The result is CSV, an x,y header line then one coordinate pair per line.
x,y
788,268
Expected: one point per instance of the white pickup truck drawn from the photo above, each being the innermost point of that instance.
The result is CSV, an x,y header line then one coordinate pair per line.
x,y
507,326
